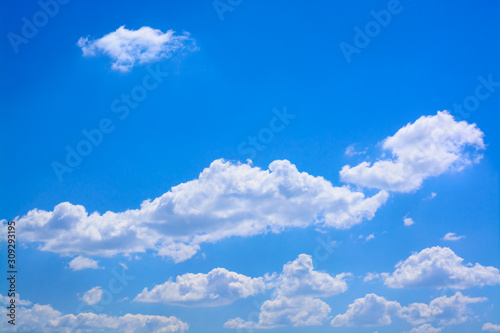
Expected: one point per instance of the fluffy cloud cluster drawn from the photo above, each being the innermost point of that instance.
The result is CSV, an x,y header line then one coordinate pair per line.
x,y
373,310
128,48
79,263
218,287
428,147
226,200
439,267
44,318
442,310
294,302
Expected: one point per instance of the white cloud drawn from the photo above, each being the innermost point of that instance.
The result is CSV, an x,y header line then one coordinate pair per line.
x,y
439,268
227,199
44,318
80,263
283,311
451,236
426,328
371,310
443,310
408,221
294,302
370,277
432,196
218,287
369,237
351,151
428,147
92,296
491,327
300,279
129,48
4,300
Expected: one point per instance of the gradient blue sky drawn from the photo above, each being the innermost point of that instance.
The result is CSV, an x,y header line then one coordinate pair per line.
x,y
261,56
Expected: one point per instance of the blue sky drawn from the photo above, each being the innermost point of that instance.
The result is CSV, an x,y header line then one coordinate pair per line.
x,y
343,146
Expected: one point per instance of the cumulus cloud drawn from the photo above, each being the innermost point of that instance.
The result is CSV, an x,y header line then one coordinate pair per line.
x,y
294,302
443,310
226,200
80,263
129,48
374,310
284,311
218,287
428,147
44,318
92,296
371,310
300,279
439,267
491,327
451,236
408,221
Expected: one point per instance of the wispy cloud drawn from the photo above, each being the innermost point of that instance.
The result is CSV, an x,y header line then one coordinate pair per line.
x,y
451,236
129,48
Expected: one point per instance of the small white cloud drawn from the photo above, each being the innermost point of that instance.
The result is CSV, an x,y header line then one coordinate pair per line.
x,y
430,146
451,236
408,221
440,268
426,328
491,327
369,237
92,296
371,276
431,196
80,263
123,265
351,151
129,48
